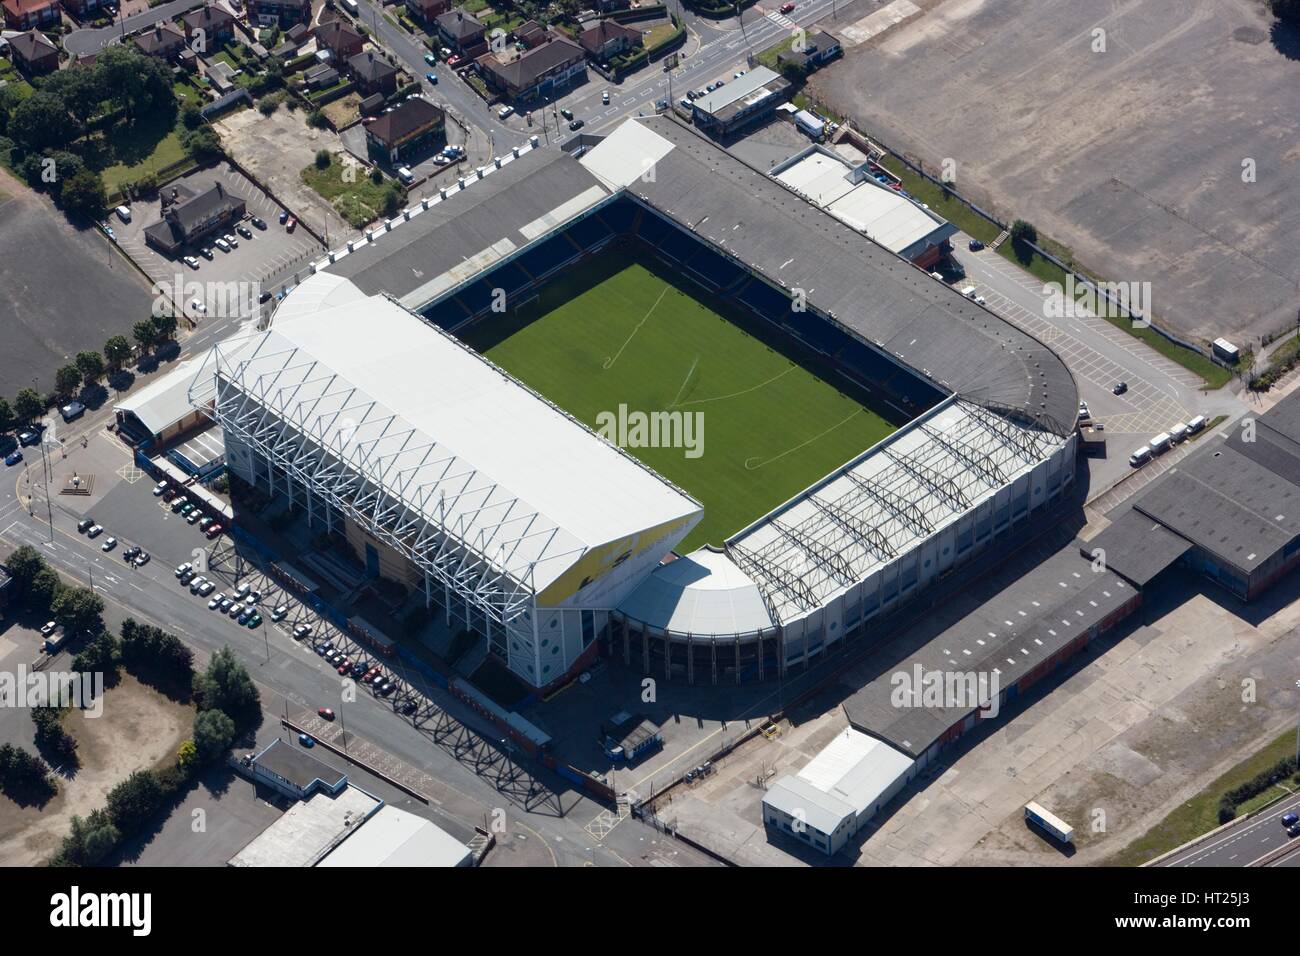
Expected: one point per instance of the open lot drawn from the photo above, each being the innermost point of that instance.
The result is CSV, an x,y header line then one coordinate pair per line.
x,y
627,334
1132,157
138,729
62,290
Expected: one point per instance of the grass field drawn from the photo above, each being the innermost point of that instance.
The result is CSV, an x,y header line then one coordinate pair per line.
x,y
626,332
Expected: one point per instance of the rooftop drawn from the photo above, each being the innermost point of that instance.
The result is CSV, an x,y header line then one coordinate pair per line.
x,y
413,115
743,88
309,830
298,766
393,837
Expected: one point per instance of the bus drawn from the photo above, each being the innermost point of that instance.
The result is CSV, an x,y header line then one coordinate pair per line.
x,y
1049,823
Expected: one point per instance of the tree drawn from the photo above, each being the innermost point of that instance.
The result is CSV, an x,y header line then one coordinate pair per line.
x,y
202,144
164,327
1286,10
44,588
84,193
80,89
28,405
67,379
214,732
6,415
79,610
133,801
323,159
89,840
226,686
23,566
144,333
316,119
91,365
117,350
391,202
1022,231
191,116
377,176
42,122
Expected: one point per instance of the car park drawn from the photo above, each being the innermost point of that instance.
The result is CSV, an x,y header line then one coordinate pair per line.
x,y
109,544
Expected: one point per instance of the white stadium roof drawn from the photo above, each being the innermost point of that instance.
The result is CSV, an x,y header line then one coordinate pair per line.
x,y
472,450
885,215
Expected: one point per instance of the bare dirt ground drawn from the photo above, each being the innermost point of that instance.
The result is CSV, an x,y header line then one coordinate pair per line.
x,y
276,149
139,728
1132,156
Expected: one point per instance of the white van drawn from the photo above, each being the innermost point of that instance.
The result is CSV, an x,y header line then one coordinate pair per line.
x,y
1196,424
1160,443
123,213
969,292
405,175
1140,456
1178,433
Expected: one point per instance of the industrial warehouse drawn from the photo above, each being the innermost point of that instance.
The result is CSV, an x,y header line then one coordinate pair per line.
x,y
515,519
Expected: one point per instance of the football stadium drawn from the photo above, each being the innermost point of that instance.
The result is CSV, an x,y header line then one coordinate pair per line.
x,y
637,390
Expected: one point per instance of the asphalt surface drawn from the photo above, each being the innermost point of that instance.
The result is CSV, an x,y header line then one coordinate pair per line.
x,y
80,42
1244,843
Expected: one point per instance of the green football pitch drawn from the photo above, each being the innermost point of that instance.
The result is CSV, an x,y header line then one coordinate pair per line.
x,y
625,332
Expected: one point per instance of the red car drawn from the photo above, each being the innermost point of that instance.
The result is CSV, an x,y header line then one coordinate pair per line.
x,y
345,665
455,60
289,226
787,8
326,712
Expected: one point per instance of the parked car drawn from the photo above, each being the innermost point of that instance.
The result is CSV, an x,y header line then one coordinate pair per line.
x,y
190,261
284,216
208,588
206,252
326,713
72,410
577,125
94,531
216,601
231,240
141,559
222,245
567,113
409,707
242,591
193,516
182,569
225,605
301,631
244,231
975,245
30,437
787,8
430,59
169,494
358,668
203,524
280,613
306,740
1290,819
14,457
505,112
213,531
129,554
159,488
432,78
48,628
109,544
1120,388
84,525
254,620
258,222
604,97
290,225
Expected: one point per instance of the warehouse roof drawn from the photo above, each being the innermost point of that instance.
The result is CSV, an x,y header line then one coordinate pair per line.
x,y
471,450
1036,615
741,88
309,829
393,837
1137,547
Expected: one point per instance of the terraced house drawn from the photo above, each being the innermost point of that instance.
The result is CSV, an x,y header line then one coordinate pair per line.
x,y
30,14
34,53
282,13
214,24
529,75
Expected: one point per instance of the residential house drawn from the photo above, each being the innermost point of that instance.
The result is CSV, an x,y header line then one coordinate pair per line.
x,y
373,73
30,14
459,30
81,9
427,11
341,38
536,72
405,132
216,23
163,40
34,53
189,216
282,13
819,48
608,39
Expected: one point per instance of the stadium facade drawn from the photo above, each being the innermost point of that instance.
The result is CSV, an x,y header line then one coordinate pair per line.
x,y
448,475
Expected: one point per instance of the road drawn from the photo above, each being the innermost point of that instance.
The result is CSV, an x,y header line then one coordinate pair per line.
x,y
1244,843
81,42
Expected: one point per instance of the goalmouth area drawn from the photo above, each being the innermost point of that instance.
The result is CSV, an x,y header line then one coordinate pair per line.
x,y
752,417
